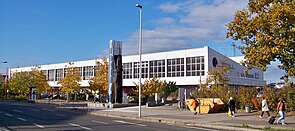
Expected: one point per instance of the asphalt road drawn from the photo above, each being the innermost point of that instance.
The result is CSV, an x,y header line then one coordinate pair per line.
x,y
45,117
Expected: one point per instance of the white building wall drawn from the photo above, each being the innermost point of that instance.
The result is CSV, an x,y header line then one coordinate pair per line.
x,y
206,52
236,77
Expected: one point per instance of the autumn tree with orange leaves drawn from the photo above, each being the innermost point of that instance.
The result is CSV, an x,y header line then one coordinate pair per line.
x,y
70,83
100,81
266,29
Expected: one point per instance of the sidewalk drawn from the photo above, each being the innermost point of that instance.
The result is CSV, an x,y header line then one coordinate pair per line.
x,y
171,115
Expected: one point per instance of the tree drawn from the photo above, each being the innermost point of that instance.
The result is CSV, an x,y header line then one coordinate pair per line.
x,y
70,83
1,85
19,83
38,79
266,30
169,87
149,87
217,82
100,80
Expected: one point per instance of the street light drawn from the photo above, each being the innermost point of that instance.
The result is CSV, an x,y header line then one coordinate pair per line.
x,y
6,79
140,49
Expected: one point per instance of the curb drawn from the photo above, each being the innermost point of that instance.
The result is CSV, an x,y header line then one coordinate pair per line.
x,y
174,122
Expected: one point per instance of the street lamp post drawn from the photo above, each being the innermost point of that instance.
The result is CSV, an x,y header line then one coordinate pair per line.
x,y
140,49
6,79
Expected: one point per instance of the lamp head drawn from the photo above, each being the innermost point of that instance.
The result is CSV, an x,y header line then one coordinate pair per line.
x,y
139,6
5,62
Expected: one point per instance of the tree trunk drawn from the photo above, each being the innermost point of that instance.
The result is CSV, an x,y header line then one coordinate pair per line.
x,y
67,97
75,96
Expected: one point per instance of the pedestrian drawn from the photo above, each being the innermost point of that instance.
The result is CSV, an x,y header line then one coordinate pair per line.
x,y
264,107
231,106
281,109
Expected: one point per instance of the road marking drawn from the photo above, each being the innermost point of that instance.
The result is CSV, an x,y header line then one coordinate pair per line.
x,y
22,119
40,126
100,122
18,111
48,110
76,125
35,110
199,128
8,114
60,115
124,122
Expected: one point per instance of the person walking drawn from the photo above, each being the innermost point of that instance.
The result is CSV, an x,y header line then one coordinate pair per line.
x,y
231,106
281,109
264,107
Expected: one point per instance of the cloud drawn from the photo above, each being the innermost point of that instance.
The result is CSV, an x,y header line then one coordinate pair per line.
x,y
170,7
186,25
166,20
273,73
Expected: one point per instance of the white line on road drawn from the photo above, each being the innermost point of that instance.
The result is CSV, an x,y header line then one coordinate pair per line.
x,y
8,114
48,110
35,110
18,111
76,125
60,115
100,122
128,123
199,128
40,126
22,119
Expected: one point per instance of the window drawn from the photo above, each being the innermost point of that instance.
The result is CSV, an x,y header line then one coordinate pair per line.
x,y
51,75
45,72
127,70
87,72
195,66
144,69
157,68
80,71
59,74
175,67
96,70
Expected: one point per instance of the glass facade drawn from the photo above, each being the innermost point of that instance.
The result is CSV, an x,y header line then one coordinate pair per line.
x,y
96,69
45,72
144,69
51,74
195,66
127,70
175,67
157,68
87,72
59,74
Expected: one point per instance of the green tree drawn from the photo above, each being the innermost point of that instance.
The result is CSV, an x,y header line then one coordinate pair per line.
x,y
70,83
266,30
218,82
246,96
169,87
100,80
19,83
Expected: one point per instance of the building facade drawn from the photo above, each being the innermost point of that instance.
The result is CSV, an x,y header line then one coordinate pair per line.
x,y
185,67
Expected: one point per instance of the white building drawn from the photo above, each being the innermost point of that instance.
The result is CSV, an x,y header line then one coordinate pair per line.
x,y
185,67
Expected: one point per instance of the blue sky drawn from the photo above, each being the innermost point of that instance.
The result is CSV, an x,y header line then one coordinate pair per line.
x,y
36,32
